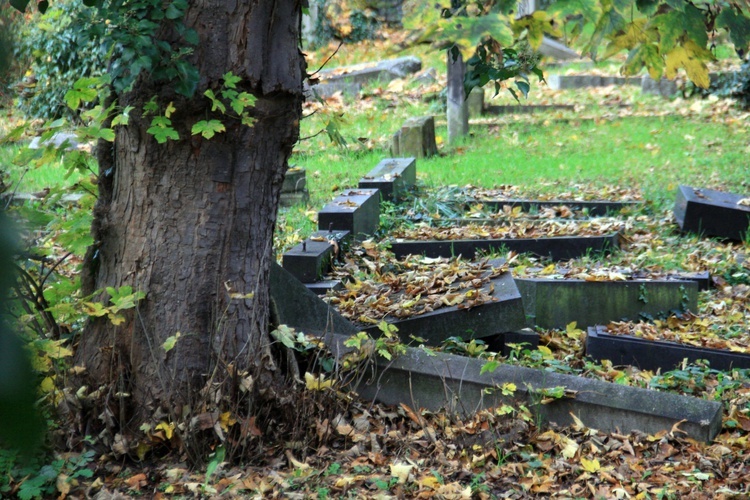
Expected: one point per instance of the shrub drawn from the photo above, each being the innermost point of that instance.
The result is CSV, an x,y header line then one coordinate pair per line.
x,y
58,51
9,21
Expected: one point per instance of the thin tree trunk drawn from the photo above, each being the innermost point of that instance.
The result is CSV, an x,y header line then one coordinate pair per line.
x,y
190,223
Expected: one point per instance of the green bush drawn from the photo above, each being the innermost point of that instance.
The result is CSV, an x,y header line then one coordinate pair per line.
x,y
58,51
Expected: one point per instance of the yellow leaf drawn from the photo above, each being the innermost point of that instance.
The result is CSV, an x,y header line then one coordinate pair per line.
x,y
591,466
48,384
690,57
226,420
167,428
401,471
141,450
318,383
570,447
429,481
546,351
62,485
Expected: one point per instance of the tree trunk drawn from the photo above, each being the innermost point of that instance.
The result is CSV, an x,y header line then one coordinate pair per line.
x,y
190,223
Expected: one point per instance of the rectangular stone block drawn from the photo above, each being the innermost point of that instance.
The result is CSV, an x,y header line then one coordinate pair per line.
x,y
556,248
594,208
554,303
712,213
437,380
656,355
354,210
393,177
486,320
309,260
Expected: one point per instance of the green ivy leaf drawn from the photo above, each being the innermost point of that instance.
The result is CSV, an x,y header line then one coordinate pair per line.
x,y
231,80
207,128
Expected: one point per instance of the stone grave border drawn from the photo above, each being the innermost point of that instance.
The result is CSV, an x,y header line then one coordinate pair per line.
x,y
656,354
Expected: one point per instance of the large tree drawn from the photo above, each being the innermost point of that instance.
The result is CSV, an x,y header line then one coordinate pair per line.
x,y
190,223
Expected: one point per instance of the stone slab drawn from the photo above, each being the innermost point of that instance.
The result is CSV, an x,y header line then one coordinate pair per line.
x,y
486,320
554,303
656,355
594,207
562,82
294,305
354,210
293,199
555,248
393,177
711,213
436,380
557,50
383,71
664,87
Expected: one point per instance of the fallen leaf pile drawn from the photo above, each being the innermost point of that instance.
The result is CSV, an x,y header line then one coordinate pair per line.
x,y
596,272
514,229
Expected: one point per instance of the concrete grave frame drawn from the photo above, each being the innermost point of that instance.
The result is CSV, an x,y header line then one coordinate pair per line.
x,y
354,210
556,248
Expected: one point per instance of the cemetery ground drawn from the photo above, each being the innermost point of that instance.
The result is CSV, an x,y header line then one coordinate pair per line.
x,y
615,145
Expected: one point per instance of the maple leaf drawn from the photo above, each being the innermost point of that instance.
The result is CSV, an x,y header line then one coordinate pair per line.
x,y
690,57
590,466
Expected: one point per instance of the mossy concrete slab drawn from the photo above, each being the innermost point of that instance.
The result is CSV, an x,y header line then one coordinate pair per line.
x,y
433,381
554,303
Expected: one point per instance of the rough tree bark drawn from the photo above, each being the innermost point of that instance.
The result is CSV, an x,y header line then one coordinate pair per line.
x,y
191,222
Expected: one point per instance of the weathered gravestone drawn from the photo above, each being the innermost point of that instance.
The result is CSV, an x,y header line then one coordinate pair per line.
x,y
310,260
555,248
663,87
712,213
294,189
416,138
